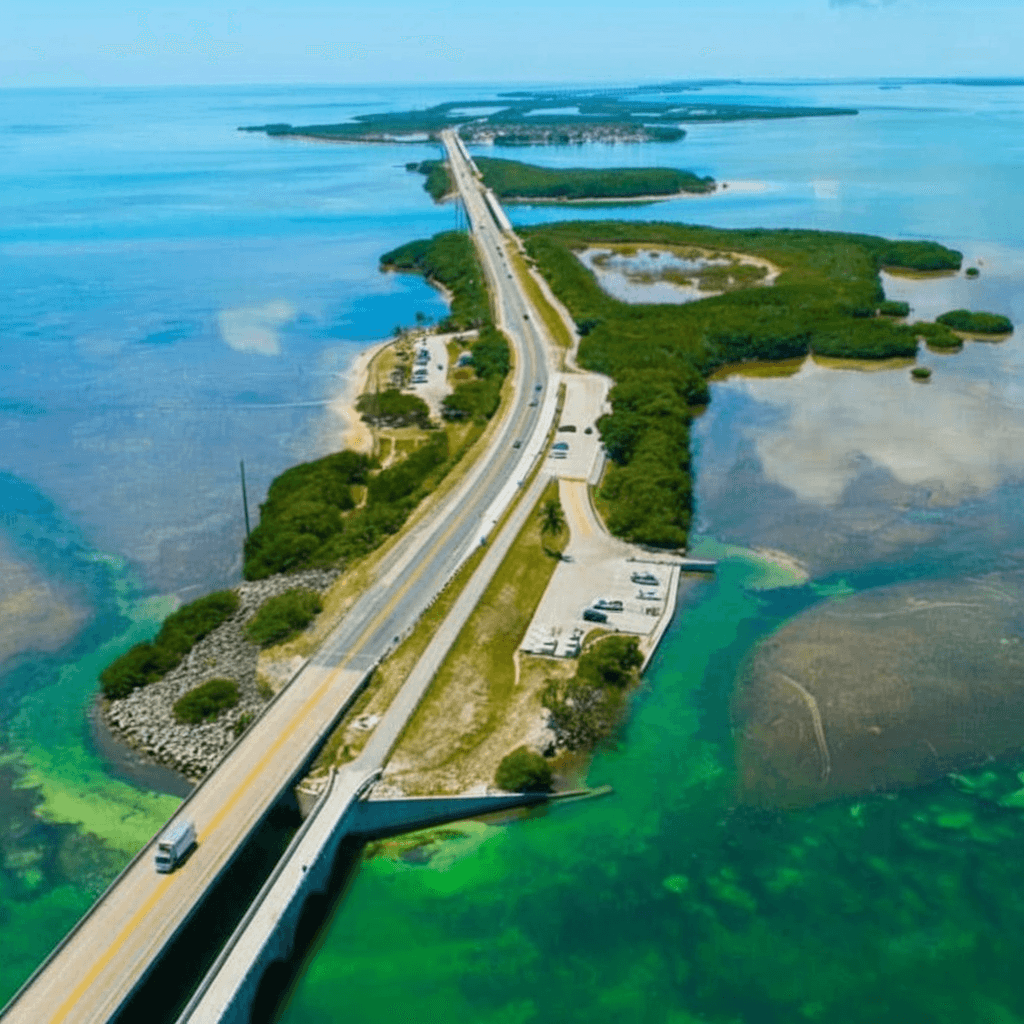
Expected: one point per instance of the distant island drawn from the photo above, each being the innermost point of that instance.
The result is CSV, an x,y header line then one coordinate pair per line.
x,y
512,181
545,118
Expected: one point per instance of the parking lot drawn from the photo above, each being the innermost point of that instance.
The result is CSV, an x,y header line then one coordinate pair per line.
x,y
596,568
433,388
585,395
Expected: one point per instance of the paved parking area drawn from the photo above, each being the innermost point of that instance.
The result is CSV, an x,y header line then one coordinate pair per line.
x,y
585,402
436,388
598,566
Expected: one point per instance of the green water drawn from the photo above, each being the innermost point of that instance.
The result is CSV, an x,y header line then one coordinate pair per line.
x,y
668,902
67,824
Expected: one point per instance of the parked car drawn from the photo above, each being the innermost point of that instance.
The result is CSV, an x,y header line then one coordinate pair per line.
x,y
593,615
560,446
645,579
648,595
608,604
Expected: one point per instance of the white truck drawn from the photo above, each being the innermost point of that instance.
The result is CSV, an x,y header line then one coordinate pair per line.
x,y
174,844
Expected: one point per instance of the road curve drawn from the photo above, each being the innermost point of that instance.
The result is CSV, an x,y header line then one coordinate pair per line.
x,y
102,960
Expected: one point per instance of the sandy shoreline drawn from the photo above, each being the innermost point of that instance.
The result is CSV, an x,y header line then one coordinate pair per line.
x,y
355,434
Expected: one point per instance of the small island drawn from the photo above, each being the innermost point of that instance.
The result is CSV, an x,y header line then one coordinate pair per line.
x,y
967,322
513,181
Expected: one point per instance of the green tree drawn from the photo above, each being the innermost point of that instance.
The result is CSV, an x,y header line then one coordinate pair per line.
x,y
581,715
523,771
611,662
552,521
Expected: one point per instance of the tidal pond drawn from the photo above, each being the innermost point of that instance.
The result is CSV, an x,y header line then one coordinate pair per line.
x,y
673,274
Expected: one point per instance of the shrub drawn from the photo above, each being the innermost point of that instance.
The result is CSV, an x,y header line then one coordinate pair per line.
x,y
581,715
920,373
283,617
147,662
976,323
243,723
479,398
893,308
206,702
972,271
611,662
938,335
393,408
523,771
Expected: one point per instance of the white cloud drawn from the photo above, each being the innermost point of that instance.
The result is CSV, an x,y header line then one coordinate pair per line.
x,y
255,328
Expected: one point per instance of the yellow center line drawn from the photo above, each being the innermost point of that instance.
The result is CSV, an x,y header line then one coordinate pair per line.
x,y
112,949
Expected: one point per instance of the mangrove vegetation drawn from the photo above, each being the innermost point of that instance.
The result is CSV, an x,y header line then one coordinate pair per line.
x,y
149,661
825,301
511,180
439,181
976,323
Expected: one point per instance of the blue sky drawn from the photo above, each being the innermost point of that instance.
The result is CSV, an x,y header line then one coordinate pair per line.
x,y
149,42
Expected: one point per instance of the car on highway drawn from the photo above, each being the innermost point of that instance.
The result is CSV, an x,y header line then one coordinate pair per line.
x,y
593,615
518,443
538,386
534,402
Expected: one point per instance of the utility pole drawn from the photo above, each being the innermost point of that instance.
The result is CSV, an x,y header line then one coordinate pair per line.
x,y
245,498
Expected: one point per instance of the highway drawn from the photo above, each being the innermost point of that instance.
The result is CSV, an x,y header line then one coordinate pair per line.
x,y
97,966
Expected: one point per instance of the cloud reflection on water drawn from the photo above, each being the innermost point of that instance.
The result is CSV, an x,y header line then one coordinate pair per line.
x,y
957,437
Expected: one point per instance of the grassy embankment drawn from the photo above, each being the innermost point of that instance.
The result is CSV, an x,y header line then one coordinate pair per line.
x,y
476,686
348,740
512,181
825,301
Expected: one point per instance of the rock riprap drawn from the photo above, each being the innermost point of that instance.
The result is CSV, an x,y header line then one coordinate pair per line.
x,y
885,690
145,721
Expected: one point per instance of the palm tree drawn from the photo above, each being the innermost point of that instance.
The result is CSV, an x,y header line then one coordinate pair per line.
x,y
551,519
